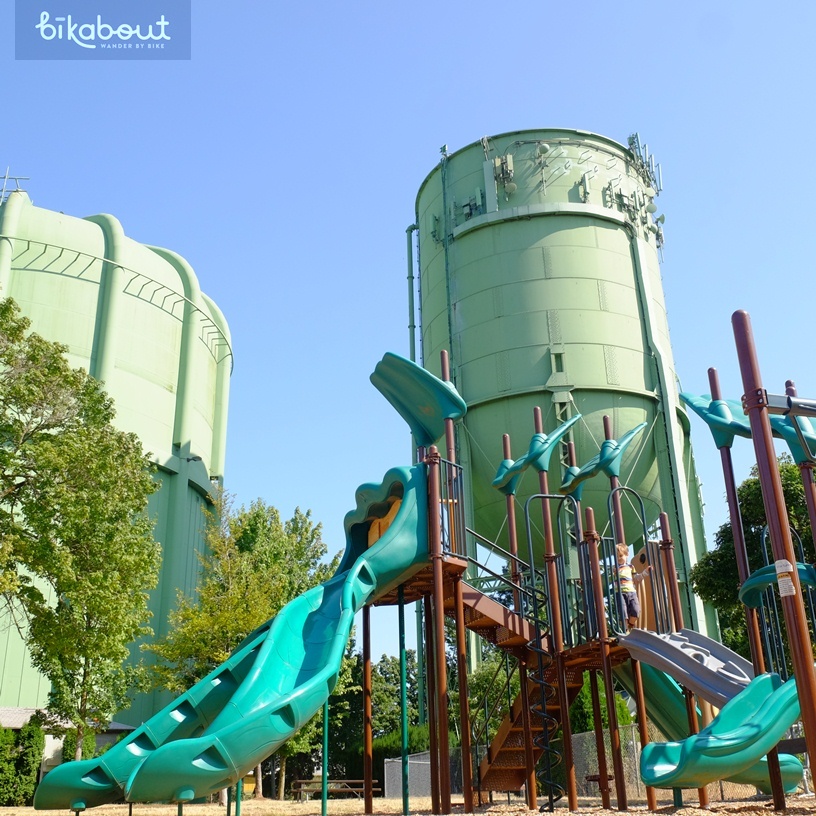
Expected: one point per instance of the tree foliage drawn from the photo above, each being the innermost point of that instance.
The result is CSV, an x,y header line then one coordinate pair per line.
x,y
77,556
715,577
20,757
72,748
582,718
491,690
254,565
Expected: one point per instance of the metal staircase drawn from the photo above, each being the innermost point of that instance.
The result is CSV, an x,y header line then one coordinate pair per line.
x,y
503,766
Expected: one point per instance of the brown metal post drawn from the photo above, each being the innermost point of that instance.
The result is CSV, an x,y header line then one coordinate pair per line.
x,y
549,540
433,746
744,571
670,571
592,538
738,534
620,538
600,746
464,708
435,546
524,691
556,625
368,739
790,590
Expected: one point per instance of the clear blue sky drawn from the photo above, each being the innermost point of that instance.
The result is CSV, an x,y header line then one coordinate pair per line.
x,y
284,158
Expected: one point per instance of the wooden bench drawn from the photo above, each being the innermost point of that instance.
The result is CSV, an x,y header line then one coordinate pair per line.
x,y
314,787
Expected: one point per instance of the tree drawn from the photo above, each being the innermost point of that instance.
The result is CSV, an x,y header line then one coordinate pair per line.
x,y
582,718
20,758
385,693
77,556
255,564
30,742
715,577
491,690
78,749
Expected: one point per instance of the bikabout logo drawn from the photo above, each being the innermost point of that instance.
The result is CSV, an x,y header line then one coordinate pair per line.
x,y
102,29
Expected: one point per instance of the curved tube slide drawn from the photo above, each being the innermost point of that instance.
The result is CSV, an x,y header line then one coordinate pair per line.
x,y
748,726
238,715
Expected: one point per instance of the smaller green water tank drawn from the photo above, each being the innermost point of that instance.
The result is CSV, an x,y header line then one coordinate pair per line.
x,y
135,318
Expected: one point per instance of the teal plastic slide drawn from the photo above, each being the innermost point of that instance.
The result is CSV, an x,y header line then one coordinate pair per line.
x,y
747,727
666,706
281,675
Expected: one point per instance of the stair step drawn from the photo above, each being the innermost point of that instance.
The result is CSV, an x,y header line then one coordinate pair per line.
x,y
475,618
504,779
509,759
504,637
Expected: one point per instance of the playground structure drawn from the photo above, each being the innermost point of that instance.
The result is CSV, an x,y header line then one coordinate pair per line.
x,y
539,271
405,542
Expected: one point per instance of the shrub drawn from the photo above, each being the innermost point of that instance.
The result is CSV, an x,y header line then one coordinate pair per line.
x,y
70,742
20,759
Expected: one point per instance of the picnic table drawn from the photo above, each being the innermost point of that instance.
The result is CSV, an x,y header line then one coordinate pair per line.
x,y
309,787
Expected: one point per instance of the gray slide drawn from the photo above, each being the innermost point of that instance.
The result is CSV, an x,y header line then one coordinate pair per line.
x,y
701,664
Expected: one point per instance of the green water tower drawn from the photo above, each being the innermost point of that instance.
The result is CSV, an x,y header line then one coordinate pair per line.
x,y
135,318
539,271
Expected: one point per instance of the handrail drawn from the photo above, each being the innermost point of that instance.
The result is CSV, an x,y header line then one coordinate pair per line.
x,y
497,548
555,791
524,588
483,731
770,613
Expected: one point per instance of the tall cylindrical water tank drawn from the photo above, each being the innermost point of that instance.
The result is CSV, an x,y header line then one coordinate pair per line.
x,y
539,271
135,318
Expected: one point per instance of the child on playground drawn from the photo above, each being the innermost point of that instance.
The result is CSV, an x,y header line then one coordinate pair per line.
x,y
629,603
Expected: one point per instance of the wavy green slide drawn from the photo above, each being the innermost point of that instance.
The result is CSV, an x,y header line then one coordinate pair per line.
x,y
238,715
667,709
734,745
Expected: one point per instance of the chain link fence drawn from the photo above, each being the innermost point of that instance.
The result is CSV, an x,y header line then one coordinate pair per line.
x,y
585,761
419,775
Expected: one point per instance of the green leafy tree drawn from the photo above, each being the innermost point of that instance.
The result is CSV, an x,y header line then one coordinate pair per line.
x,y
20,758
77,556
73,748
346,717
491,689
385,693
30,746
255,564
715,577
8,772
581,716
